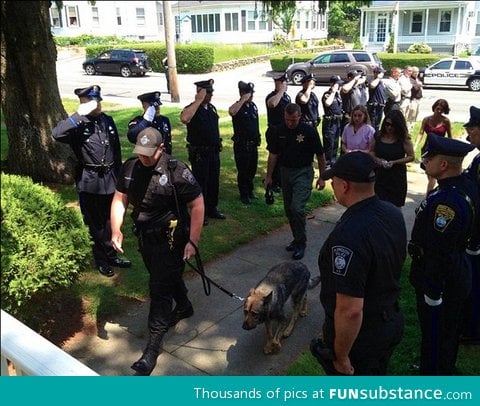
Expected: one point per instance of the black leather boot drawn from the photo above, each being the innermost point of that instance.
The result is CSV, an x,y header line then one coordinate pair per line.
x,y
146,364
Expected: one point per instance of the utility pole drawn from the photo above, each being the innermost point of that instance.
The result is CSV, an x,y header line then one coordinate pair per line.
x,y
170,45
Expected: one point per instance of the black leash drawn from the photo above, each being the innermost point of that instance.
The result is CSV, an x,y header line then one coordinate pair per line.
x,y
206,281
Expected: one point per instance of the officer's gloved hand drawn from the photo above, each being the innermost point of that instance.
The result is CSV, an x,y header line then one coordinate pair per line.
x,y
86,108
432,302
149,114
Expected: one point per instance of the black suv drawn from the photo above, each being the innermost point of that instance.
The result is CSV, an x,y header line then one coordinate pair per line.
x,y
118,61
338,62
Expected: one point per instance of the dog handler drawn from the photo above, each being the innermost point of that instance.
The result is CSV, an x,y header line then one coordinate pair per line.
x,y
360,265
168,212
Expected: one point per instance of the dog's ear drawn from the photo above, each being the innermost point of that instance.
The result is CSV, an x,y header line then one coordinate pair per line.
x,y
267,299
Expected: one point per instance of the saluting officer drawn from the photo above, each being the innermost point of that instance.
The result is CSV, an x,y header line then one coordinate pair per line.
x,y
204,146
246,140
332,119
93,137
360,266
471,322
308,101
440,272
276,101
151,118
376,99
168,214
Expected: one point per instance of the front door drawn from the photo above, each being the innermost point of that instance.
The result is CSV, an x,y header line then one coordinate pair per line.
x,y
381,28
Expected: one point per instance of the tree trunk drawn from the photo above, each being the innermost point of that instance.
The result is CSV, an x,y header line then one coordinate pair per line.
x,y
31,100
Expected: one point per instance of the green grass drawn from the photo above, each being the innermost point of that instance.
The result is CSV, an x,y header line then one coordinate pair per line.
x,y
407,352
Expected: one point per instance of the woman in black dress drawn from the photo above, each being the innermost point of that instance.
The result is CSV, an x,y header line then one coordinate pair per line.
x,y
392,149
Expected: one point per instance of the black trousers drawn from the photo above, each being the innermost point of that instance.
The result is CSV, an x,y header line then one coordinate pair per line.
x,y
246,160
331,132
205,163
376,113
380,334
471,320
96,215
164,262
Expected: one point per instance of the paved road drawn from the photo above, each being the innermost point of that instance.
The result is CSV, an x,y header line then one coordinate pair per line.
x,y
125,90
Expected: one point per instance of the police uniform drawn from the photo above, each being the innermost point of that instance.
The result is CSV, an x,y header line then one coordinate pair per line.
x,y
471,321
310,113
376,101
295,149
352,98
440,272
363,258
246,139
160,122
275,116
332,122
96,145
159,196
204,146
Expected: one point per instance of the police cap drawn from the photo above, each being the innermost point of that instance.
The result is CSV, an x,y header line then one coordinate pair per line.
x,y
336,79
474,120
152,97
352,74
92,92
379,69
354,166
148,140
282,77
246,87
437,145
205,84
307,78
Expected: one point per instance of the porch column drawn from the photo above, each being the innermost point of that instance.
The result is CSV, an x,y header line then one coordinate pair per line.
x,y
425,33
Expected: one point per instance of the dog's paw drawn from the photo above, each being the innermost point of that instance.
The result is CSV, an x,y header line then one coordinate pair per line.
x,y
272,347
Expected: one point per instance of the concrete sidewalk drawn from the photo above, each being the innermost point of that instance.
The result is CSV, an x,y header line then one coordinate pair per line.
x,y
212,342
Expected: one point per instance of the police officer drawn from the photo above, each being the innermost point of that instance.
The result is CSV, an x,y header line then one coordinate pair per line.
x,y
151,118
168,214
360,265
276,101
332,119
376,98
351,93
440,272
93,137
471,321
308,101
246,140
293,145
204,145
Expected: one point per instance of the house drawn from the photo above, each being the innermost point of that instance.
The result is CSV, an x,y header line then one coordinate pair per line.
x,y
446,26
229,22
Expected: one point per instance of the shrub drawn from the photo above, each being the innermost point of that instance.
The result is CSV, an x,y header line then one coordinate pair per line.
x,y
420,48
44,246
280,40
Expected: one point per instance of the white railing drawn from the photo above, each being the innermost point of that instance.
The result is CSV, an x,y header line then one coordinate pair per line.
x,y
31,354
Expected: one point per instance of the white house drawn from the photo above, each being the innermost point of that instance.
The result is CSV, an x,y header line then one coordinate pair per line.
x,y
446,26
227,22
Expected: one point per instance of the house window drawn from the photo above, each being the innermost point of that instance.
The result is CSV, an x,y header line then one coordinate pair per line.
x,y
251,20
206,23
119,16
262,23
95,18
55,18
140,13
307,20
159,18
445,21
416,25
231,21
477,28
72,16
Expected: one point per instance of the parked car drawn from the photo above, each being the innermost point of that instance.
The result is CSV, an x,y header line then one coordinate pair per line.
x,y
338,62
453,72
125,62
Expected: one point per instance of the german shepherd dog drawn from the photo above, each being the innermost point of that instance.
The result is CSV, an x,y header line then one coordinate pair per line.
x,y
265,303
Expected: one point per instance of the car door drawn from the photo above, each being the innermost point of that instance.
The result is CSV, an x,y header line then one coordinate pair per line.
x,y
438,73
320,66
462,71
102,62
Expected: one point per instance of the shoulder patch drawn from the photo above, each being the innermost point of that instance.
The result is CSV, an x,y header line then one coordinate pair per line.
x,y
341,257
188,176
443,217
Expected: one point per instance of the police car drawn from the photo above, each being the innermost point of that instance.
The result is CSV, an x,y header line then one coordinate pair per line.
x,y
453,72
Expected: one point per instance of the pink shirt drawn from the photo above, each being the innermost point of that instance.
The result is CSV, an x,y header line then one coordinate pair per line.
x,y
359,140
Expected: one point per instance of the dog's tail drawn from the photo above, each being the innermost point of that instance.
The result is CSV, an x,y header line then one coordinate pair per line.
x,y
313,282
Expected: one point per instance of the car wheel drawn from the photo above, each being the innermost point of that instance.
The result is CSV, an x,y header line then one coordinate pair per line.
x,y
141,74
90,70
474,84
297,77
125,71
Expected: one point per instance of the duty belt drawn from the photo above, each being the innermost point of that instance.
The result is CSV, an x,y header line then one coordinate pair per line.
x,y
334,117
375,104
99,167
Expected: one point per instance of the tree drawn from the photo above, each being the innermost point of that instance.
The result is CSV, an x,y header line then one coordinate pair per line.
x,y
30,97
284,20
344,17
